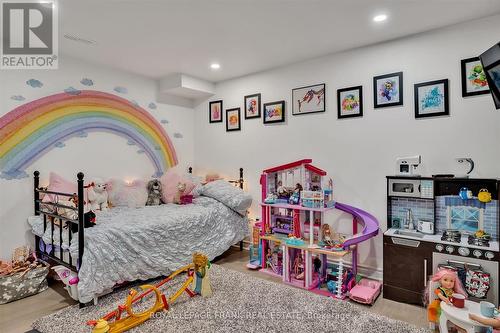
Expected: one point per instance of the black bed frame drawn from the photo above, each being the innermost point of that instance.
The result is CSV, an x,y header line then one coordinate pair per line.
x,y
66,223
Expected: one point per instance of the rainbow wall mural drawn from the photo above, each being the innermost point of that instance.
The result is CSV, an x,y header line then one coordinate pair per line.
x,y
32,129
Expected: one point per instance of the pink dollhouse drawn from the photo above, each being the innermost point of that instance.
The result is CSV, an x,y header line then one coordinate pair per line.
x,y
294,237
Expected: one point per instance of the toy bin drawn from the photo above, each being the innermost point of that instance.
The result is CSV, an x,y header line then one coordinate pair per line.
x,y
19,285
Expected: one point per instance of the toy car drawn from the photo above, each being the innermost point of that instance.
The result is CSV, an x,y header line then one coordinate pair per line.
x,y
365,291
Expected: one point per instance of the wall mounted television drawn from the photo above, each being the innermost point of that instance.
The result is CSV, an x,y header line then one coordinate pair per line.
x,y
491,65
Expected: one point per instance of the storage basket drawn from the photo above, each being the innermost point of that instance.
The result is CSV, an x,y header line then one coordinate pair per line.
x,y
17,286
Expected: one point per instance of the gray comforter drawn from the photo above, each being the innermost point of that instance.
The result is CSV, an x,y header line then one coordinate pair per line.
x,y
141,243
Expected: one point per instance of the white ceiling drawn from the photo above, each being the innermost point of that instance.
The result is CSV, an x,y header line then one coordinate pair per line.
x,y
157,38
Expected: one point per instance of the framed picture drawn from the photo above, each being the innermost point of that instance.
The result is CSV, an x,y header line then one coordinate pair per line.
x,y
431,99
233,122
252,106
350,102
474,80
388,90
309,99
494,73
274,112
215,111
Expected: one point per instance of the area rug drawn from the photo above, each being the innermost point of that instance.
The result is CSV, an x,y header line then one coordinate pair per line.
x,y
240,303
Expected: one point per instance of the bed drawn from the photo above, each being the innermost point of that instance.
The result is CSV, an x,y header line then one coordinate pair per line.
x,y
129,244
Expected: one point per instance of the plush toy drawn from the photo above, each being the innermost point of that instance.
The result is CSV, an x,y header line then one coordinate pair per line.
x,y
89,221
181,188
154,193
97,195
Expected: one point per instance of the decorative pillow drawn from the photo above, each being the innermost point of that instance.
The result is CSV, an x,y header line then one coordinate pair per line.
x,y
169,183
229,195
114,187
133,195
59,184
197,181
67,212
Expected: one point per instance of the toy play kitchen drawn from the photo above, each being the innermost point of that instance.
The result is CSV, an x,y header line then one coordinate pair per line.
x,y
436,222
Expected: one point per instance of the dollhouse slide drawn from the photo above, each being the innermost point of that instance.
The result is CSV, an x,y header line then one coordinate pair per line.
x,y
369,222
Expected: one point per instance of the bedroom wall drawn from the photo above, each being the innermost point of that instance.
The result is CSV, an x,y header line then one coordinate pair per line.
x,y
358,153
98,155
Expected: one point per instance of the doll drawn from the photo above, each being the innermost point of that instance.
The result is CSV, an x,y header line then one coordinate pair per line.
x,y
326,235
295,197
298,267
281,190
269,258
201,282
449,284
316,264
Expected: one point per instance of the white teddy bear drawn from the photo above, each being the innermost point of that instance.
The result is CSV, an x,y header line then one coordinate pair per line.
x,y
97,195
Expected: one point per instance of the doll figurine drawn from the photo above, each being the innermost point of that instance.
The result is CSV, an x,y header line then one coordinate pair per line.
x,y
269,258
316,264
281,190
326,235
201,282
449,284
298,267
295,197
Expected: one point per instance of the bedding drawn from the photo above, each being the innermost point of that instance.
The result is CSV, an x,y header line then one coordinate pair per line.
x,y
232,196
130,244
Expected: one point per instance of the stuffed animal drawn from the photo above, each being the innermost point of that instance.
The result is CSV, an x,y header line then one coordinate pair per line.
x,y
97,195
89,221
154,193
181,188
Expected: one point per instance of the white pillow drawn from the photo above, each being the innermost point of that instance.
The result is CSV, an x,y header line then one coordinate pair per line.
x,y
121,194
197,181
229,195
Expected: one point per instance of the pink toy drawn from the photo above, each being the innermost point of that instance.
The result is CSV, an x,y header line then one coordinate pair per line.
x,y
70,279
186,199
366,291
299,250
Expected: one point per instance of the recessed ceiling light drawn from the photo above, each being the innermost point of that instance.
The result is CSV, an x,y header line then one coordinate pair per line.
x,y
380,18
215,66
